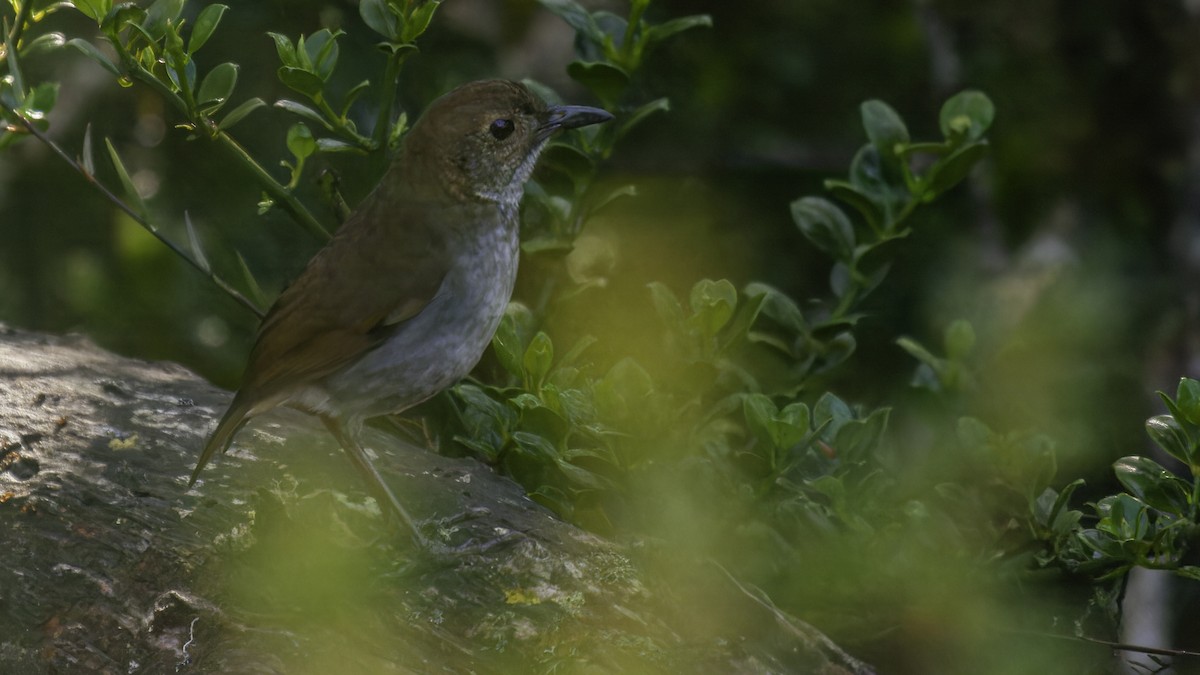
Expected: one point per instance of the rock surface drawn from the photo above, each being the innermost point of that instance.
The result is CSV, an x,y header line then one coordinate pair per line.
x,y
277,562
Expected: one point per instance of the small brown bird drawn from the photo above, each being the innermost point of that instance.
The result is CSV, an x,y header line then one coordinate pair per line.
x,y
405,297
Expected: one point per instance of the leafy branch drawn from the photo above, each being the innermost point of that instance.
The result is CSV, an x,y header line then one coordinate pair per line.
x,y
151,49
86,168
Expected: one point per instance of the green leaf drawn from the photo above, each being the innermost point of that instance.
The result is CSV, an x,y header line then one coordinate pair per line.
x,y
576,351
869,176
856,197
1101,542
379,18
486,421
253,289
538,358
41,100
1167,434
122,15
297,108
321,48
217,87
46,42
536,446
576,17
1125,517
920,353
161,13
959,339
652,35
826,226
183,76
286,50
419,21
509,345
95,54
968,113
131,193
623,390
713,304
1051,512
93,9
952,169
197,249
87,156
300,141
584,478
1187,400
973,434
237,114
737,328
301,80
1151,483
831,412
667,305
15,80
640,114
884,127
605,80
857,438
781,429
777,306
336,145
356,91
206,23
838,349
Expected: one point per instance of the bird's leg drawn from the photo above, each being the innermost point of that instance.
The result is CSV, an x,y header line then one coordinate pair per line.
x,y
375,484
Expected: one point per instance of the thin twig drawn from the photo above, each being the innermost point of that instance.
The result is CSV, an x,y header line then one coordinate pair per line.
x,y
1119,646
136,217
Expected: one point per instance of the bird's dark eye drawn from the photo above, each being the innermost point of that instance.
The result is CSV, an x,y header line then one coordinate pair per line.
x,y
501,129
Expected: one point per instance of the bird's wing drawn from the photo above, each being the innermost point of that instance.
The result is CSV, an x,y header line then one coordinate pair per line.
x,y
355,292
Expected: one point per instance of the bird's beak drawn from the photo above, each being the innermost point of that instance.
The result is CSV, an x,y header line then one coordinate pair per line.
x,y
570,117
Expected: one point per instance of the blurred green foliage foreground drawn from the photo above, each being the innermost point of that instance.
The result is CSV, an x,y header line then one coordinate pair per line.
x,y
970,500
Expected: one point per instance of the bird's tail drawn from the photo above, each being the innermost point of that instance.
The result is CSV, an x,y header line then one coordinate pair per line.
x,y
234,419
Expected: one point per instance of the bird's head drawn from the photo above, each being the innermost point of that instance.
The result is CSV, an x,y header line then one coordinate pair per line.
x,y
481,140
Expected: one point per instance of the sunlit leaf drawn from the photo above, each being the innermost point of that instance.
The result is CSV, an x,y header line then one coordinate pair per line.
x,y
237,114
206,23
297,108
301,80
300,141
131,193
217,87
285,49
1150,482
93,9
1166,432
419,21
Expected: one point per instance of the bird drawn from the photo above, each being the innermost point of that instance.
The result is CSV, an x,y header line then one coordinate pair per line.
x,y
405,297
